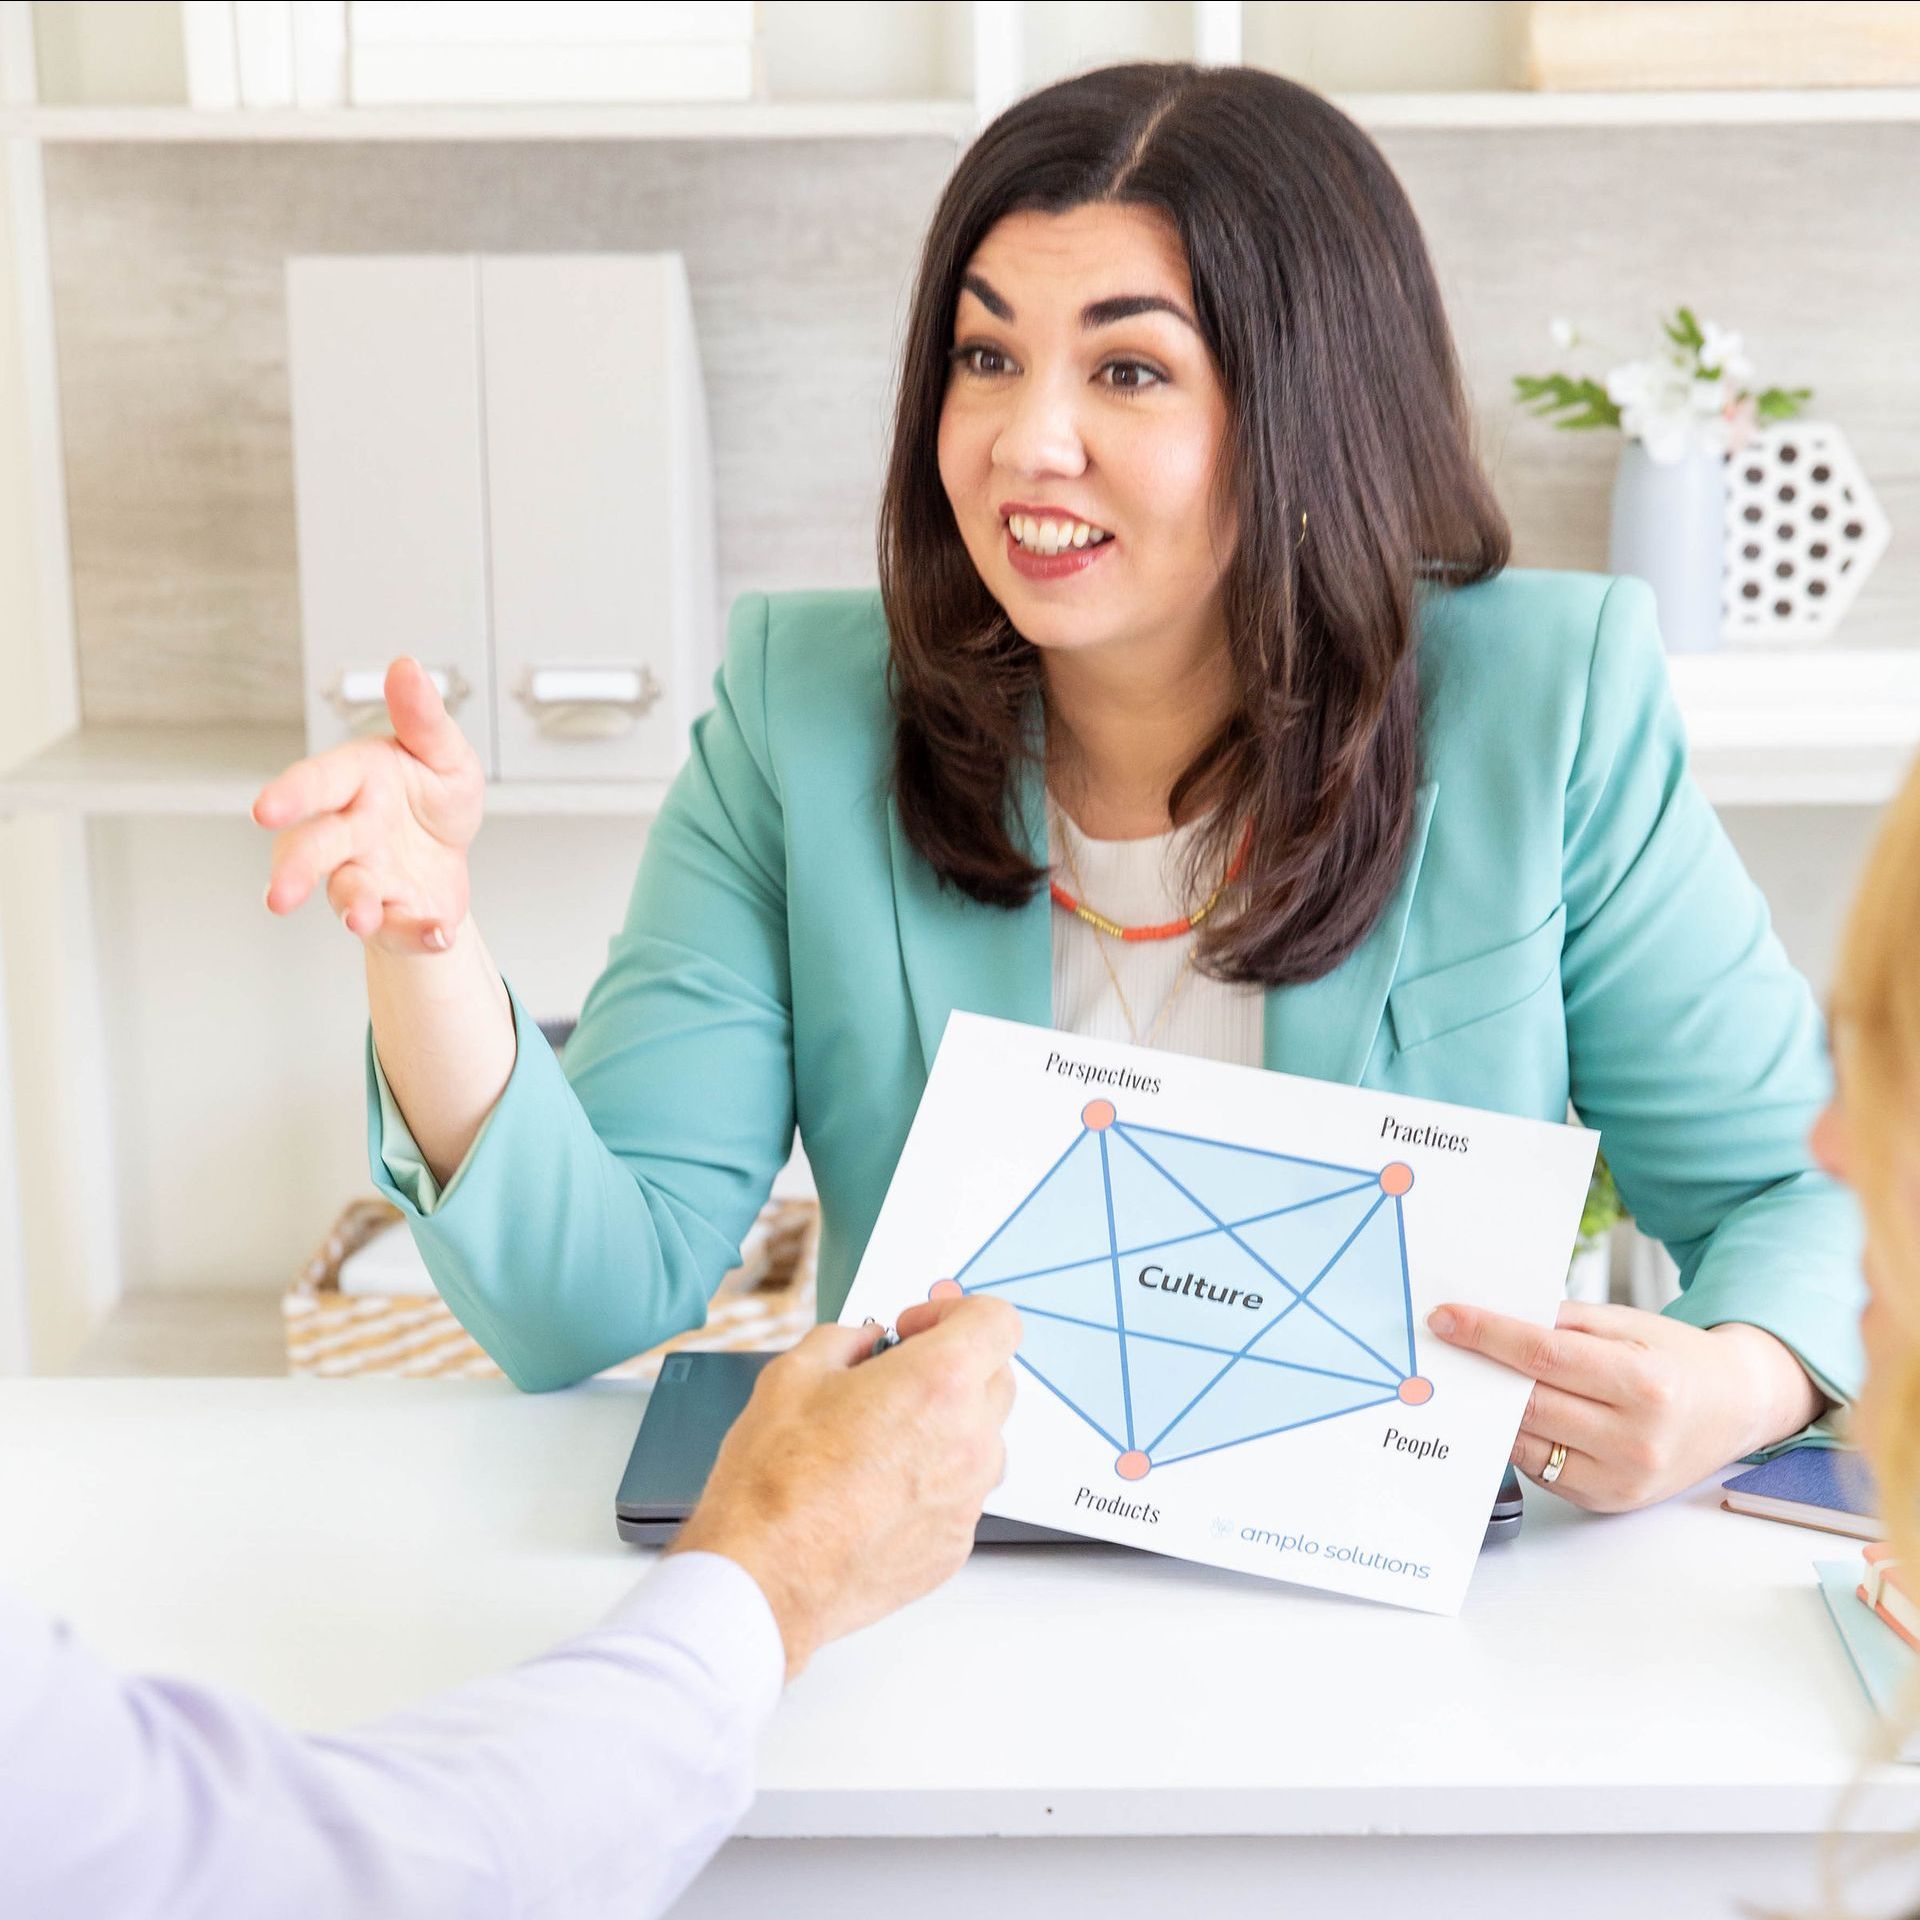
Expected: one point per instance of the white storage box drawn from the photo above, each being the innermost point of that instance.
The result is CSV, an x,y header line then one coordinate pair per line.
x,y
383,359
601,514
502,467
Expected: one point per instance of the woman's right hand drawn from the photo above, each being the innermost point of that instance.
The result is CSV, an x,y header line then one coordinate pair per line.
x,y
384,823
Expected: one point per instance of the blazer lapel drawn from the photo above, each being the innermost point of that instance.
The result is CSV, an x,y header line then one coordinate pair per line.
x,y
958,952
1325,1029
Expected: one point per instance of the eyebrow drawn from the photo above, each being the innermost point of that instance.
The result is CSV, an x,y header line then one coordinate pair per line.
x,y
1102,313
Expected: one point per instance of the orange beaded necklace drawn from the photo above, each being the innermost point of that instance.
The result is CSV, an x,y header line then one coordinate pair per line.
x,y
1172,929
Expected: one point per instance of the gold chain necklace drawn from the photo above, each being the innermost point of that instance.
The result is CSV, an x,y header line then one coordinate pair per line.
x,y
1065,829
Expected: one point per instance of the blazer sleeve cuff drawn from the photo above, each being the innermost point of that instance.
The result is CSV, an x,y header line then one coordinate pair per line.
x,y
1788,1263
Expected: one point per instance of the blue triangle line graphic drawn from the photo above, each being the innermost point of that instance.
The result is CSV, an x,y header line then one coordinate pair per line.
x,y
1233,1146
1119,1310
1337,1414
1299,1294
1299,1300
1305,1299
1179,1239
1116,1445
1406,1281
1200,1346
1026,1203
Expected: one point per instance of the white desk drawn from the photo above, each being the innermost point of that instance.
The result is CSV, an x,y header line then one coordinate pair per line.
x,y
1641,1716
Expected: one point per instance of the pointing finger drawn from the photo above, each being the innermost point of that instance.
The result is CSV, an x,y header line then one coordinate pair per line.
x,y
1561,1356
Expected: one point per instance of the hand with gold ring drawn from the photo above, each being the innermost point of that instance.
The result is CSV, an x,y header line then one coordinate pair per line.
x,y
1627,1406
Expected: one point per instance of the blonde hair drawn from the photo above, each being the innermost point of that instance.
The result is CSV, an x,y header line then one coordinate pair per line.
x,y
1875,1033
1876,1044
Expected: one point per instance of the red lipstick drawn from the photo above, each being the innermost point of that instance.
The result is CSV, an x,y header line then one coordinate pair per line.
x,y
1048,566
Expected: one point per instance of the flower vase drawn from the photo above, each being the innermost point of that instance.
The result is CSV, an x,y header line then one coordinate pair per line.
x,y
1669,529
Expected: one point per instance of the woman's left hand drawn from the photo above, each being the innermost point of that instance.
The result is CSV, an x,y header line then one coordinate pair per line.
x,y
1644,1404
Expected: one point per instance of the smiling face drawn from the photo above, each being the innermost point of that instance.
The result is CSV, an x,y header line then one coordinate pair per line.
x,y
1081,433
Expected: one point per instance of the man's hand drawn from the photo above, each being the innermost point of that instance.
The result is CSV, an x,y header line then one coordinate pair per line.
x,y
851,1485
1644,1404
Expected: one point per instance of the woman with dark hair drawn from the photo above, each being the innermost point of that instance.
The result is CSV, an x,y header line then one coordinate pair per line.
x,y
1198,707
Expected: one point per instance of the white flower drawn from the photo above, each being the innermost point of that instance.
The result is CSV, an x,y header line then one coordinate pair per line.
x,y
1635,382
1709,396
1563,333
1723,352
1659,408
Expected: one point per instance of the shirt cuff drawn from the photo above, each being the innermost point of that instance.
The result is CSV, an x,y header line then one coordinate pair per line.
x,y
712,1608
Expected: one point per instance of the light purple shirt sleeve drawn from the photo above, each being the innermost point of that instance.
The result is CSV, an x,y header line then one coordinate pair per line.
x,y
598,1778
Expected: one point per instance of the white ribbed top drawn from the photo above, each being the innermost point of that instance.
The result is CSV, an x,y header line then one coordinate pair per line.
x,y
1141,883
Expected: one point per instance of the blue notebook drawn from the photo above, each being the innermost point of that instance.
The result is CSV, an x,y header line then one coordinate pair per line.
x,y
1825,1487
1880,1657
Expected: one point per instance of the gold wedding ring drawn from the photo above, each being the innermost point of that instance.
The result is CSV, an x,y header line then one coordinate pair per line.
x,y
1555,1461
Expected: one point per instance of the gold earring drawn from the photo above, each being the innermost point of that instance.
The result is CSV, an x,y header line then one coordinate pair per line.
x,y
1303,530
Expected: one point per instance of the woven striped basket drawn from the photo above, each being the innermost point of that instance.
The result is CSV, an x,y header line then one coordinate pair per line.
x,y
766,1302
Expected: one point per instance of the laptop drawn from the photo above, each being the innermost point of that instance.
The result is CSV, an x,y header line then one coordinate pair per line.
x,y
700,1395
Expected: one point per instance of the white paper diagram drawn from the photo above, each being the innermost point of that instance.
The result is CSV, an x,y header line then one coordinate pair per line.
x,y
1183,1295
1223,1276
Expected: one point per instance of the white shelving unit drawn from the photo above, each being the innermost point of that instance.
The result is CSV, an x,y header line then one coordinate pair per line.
x,y
1805,728
747,120
1832,728
891,119
214,773
1813,728
1515,108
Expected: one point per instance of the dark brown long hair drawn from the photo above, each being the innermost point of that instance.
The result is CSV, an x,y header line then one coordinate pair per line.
x,y
1316,298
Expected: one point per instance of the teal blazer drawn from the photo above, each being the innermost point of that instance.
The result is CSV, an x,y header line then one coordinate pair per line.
x,y
1571,924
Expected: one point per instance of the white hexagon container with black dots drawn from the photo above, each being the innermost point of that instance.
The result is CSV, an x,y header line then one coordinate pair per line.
x,y
1803,532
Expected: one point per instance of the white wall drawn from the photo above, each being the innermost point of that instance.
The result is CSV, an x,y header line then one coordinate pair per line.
x,y
238,1037
1808,861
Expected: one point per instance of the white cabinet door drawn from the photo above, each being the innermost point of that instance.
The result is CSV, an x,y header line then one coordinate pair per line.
x,y
384,367
599,511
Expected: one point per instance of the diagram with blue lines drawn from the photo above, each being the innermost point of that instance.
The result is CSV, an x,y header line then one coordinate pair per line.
x,y
1184,1295
1224,1354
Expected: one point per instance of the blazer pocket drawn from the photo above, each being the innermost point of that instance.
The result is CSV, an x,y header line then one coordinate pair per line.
x,y
1476,989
